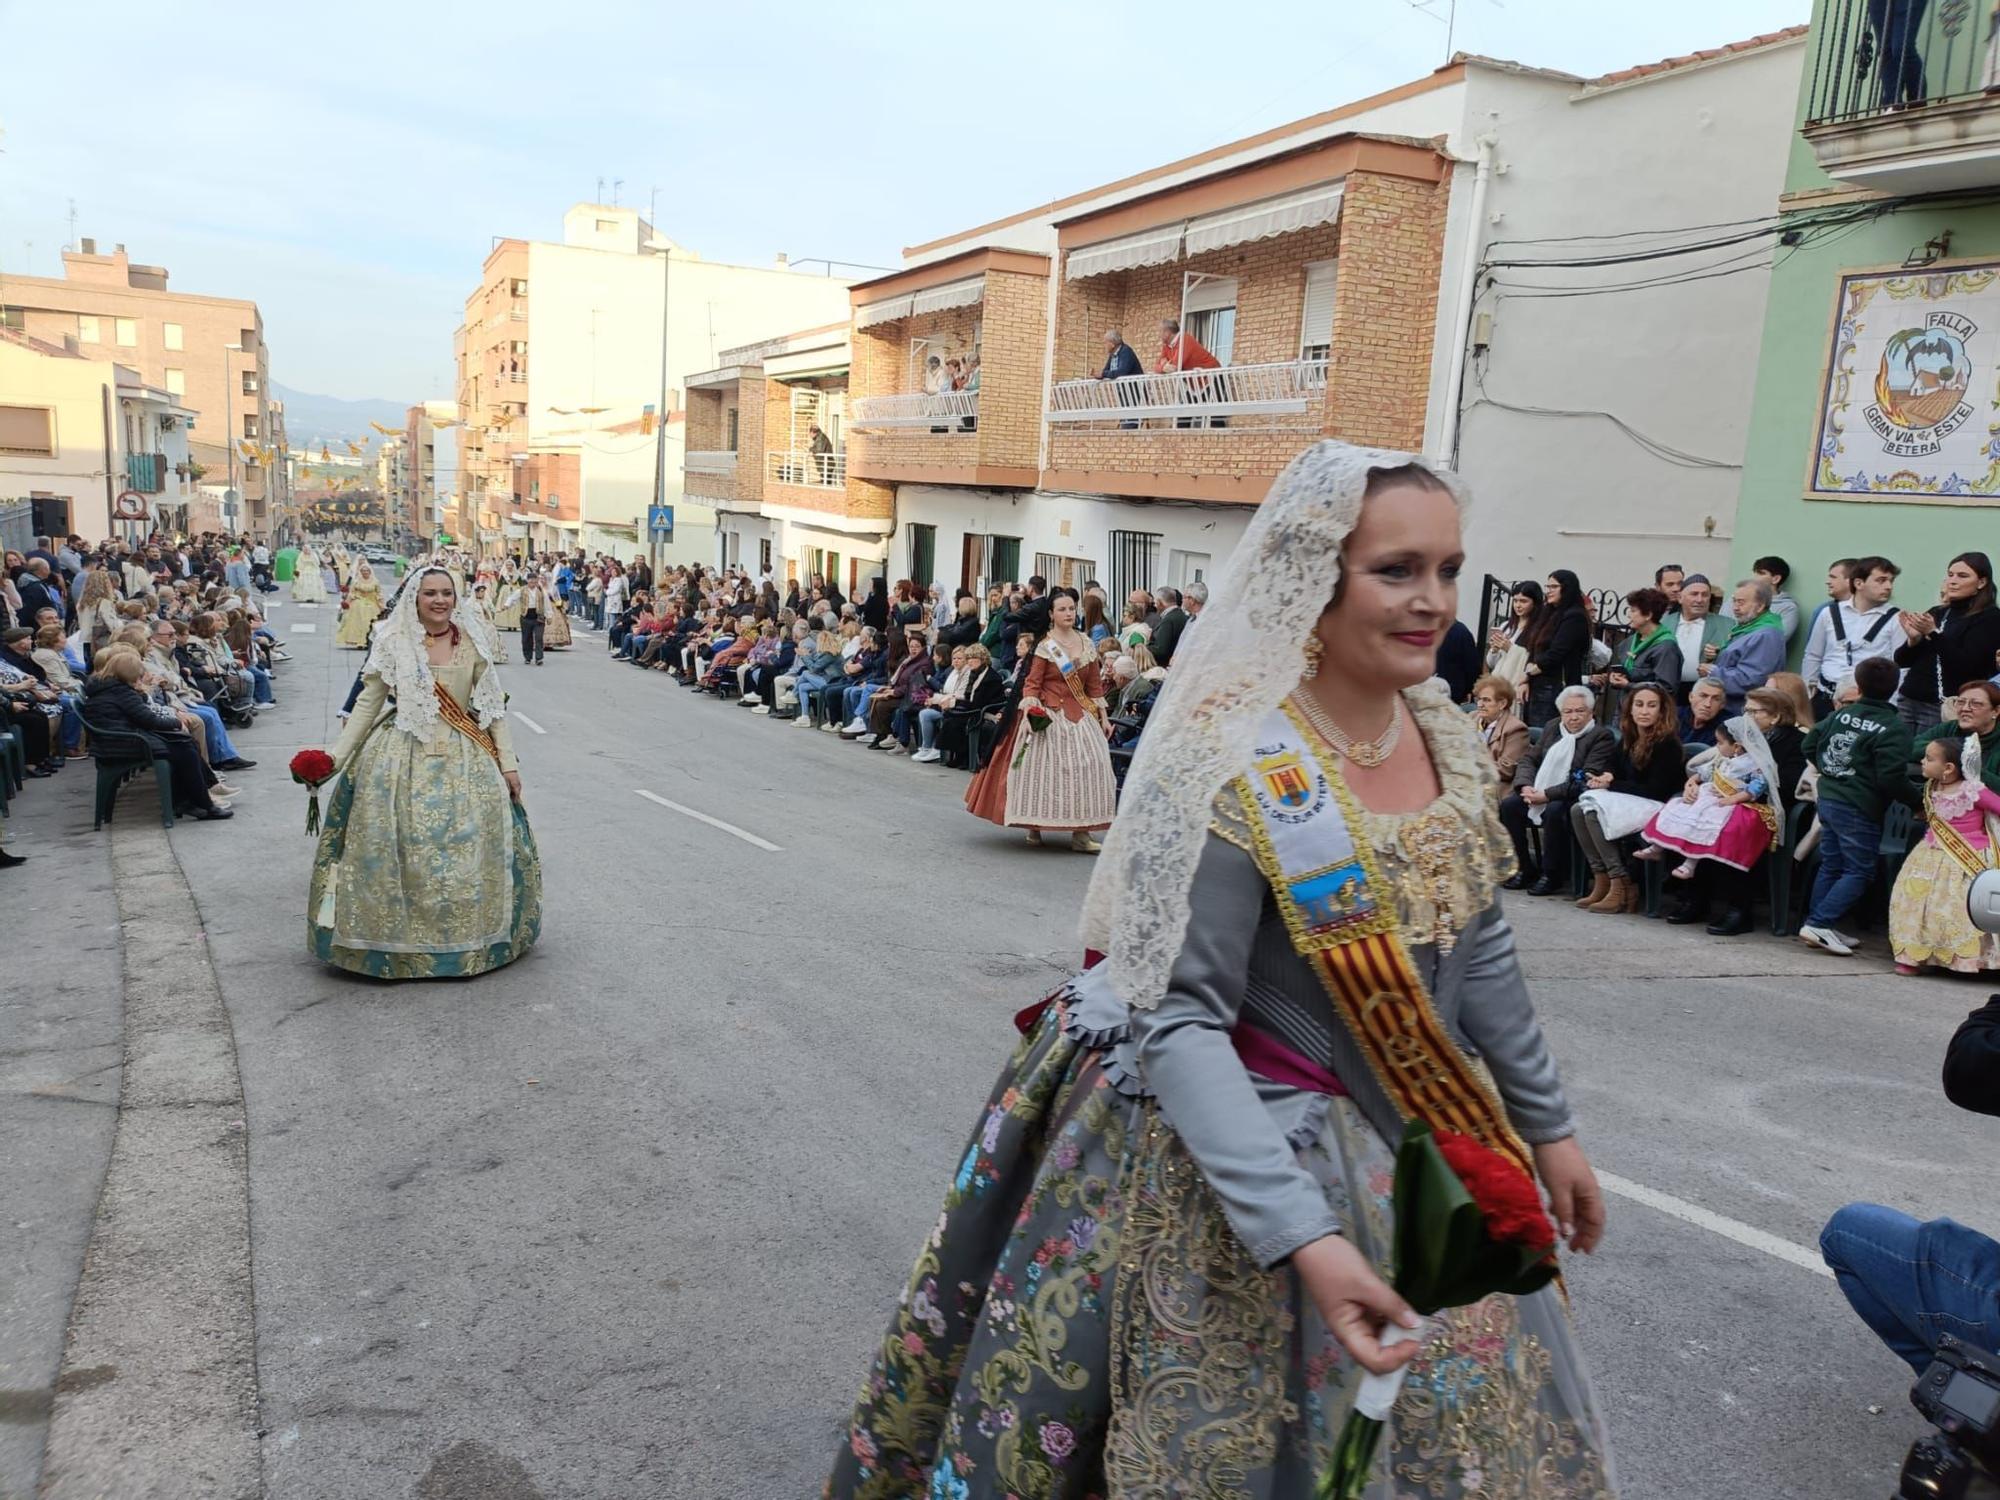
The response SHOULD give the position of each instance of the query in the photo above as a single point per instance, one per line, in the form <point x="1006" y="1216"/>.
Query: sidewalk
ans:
<point x="60" y="1051"/>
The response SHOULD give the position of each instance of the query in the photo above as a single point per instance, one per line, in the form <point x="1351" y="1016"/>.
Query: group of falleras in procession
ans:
<point x="510" y="598"/>
<point x="1167" y="1261"/>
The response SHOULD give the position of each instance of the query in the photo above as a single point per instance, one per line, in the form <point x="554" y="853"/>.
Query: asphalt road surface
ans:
<point x="626" y="1219"/>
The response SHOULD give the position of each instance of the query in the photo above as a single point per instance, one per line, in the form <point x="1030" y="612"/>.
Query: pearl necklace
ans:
<point x="1365" y="753"/>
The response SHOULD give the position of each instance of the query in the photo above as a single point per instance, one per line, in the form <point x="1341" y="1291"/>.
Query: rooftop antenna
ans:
<point x="617" y="184"/>
<point x="72" y="225"/>
<point x="600" y="191"/>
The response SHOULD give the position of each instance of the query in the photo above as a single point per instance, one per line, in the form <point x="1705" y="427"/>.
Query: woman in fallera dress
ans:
<point x="426" y="868"/>
<point x="1063" y="780"/>
<point x="1160" y="1268"/>
<point x="363" y="608"/>
<point x="308" y="583"/>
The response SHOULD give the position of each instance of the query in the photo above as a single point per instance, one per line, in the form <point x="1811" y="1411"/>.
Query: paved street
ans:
<point x="625" y="1219"/>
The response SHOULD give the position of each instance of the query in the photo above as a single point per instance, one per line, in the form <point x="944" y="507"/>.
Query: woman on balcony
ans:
<point x="1059" y="776"/>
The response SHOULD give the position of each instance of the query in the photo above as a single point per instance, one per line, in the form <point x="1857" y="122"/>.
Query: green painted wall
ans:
<point x="1771" y="513"/>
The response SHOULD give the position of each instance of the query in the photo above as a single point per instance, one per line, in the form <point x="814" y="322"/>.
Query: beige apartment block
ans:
<point x="206" y="352"/>
<point x="562" y="346"/>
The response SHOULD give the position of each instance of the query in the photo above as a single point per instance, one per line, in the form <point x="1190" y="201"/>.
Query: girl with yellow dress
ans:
<point x="362" y="608"/>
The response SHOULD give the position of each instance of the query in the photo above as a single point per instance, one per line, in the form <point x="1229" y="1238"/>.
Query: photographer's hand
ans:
<point x="1574" y="1196"/>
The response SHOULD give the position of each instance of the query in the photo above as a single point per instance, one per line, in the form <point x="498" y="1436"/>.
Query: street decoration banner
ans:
<point x="1910" y="399"/>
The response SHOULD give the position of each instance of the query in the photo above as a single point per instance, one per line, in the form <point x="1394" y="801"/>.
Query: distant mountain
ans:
<point x="313" y="421"/>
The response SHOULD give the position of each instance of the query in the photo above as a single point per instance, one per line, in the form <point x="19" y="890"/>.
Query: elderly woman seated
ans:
<point x="1505" y="735"/>
<point x="1547" y="781"/>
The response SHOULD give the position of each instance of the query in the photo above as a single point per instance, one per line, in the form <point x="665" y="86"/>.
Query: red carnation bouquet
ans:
<point x="1468" y="1223"/>
<point x="312" y="769"/>
<point x="1038" y="719"/>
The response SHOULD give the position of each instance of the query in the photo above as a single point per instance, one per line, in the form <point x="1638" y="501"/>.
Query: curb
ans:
<point x="157" y="1394"/>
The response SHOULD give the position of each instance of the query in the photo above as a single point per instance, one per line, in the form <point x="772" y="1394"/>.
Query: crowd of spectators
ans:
<point x="162" y="645"/>
<point x="1602" y="731"/>
<point x="911" y="669"/>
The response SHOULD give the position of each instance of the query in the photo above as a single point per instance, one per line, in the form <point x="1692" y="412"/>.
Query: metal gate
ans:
<point x="17" y="525"/>
<point x="1135" y="556"/>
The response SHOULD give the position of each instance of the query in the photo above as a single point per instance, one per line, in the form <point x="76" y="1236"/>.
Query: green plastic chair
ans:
<point x="121" y="755"/>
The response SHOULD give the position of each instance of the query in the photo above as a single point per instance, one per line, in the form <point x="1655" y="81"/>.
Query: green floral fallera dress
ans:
<point x="1083" y="1321"/>
<point x="426" y="867"/>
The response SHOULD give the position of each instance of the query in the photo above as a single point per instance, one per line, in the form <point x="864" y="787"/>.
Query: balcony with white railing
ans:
<point x="1219" y="434"/>
<point x="814" y="471"/>
<point x="948" y="411"/>
<point x="1187" y="400"/>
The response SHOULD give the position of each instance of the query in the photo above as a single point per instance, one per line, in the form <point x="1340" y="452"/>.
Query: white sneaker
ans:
<point x="1825" y="937"/>
<point x="857" y="725"/>
<point x="802" y="722"/>
<point x="1852" y="942"/>
<point x="830" y="727"/>
<point x="927" y="756"/>
<point x="747" y="698"/>
<point x="761" y="709"/>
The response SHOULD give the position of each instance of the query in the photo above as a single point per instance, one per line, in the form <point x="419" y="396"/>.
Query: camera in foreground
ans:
<point x="1959" y="1395"/>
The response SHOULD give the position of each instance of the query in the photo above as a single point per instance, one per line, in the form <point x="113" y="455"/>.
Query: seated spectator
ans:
<point x="980" y="696"/>
<point x="31" y="705"/>
<point x="1726" y="820"/>
<point x="945" y="696"/>
<point x="818" y="670"/>
<point x="1546" y="783"/>
<point x="760" y="684"/>
<point x="113" y="702"/>
<point x="186" y="699"/>
<point x="1646" y="768"/>
<point x="890" y="710"/>
<point x="862" y="672"/>
<point x="1755" y="647"/>
<point x="1701" y="715"/>
<point x="1505" y="735"/>
<point x="1793" y="687"/>
<point x="1978" y="713"/>
<point x="963" y="627"/>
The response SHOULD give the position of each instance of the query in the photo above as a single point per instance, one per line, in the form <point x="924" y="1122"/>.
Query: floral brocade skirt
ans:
<point x="1083" y="1324"/>
<point x="426" y="868"/>
<point x="555" y="629"/>
<point x="1928" y="925"/>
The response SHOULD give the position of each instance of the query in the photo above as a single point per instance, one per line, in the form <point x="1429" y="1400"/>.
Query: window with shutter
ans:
<point x="1316" y="330"/>
<point x="28" y="431"/>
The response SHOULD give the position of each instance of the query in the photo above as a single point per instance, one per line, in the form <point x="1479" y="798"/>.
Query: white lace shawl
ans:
<point x="1231" y="673"/>
<point x="398" y="657"/>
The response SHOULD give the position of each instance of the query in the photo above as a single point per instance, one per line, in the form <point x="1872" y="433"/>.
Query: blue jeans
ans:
<point x="260" y="679"/>
<point x="72" y="724"/>
<point x="1848" y="844"/>
<point x="219" y="748"/>
<point x="928" y="720"/>
<point x="807" y="686"/>
<point x="857" y="700"/>
<point x="1899" y="66"/>
<point x="1911" y="1281"/>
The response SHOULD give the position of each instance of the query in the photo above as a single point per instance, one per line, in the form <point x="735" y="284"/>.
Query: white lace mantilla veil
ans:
<point x="398" y="657"/>
<point x="1743" y="729"/>
<point x="1240" y="662"/>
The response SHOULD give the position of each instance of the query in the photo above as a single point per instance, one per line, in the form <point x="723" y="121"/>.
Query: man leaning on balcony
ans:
<point x="1119" y="362"/>
<point x="1183" y="351"/>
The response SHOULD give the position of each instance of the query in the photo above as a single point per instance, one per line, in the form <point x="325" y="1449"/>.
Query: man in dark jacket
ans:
<point x="1863" y="753"/>
<point x="1120" y="361"/>
<point x="1173" y="620"/>
<point x="1553" y="791"/>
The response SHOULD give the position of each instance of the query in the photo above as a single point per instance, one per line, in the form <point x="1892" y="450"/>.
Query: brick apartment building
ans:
<point x="1339" y="268"/>
<point x="208" y="353"/>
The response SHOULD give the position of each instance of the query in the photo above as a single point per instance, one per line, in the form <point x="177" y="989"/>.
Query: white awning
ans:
<point x="888" y="311"/>
<point x="1155" y="247"/>
<point x="952" y="294"/>
<point x="1260" y="221"/>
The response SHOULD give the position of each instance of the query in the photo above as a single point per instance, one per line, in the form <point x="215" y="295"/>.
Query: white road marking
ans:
<point x="1729" y="1229"/>
<point x="517" y="714"/>
<point x="702" y="817"/>
<point x="304" y="629"/>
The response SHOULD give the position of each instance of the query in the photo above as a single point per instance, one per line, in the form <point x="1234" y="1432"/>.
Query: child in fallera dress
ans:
<point x="1928" y="924"/>
<point x="1726" y="811"/>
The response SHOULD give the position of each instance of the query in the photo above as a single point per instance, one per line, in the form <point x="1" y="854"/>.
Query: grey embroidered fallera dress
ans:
<point x="1102" y="1308"/>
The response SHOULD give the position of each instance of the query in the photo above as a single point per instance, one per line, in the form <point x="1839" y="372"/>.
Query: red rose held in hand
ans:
<point x="1506" y="1195"/>
<point x="311" y="767"/>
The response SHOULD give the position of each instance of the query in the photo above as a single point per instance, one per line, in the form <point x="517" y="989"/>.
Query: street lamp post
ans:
<point x="666" y="249"/>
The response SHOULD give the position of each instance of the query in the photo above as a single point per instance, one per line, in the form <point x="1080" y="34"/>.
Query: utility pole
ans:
<point x="660" y="413"/>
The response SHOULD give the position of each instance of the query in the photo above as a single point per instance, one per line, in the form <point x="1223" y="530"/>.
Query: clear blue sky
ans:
<point x="348" y="166"/>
